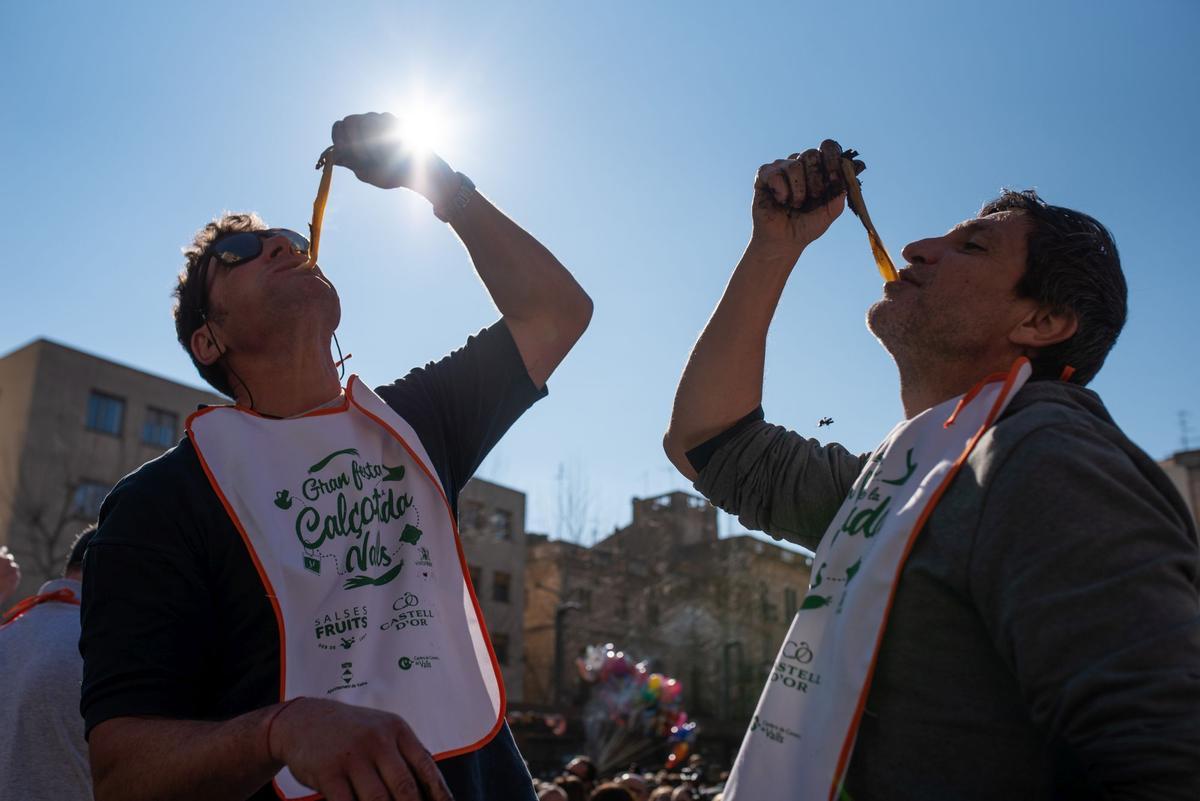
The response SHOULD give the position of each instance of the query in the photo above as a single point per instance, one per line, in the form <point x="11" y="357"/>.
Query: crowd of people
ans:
<point x="581" y="781"/>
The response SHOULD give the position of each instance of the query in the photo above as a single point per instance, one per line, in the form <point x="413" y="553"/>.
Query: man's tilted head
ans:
<point x="243" y="290"/>
<point x="191" y="299"/>
<point x="1021" y="278"/>
<point x="1071" y="264"/>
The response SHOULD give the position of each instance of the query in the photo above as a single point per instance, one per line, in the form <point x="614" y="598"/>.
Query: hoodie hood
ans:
<point x="1047" y="402"/>
<point x="1080" y="400"/>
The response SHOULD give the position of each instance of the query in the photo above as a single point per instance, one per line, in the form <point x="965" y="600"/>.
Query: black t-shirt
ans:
<point x="176" y="622"/>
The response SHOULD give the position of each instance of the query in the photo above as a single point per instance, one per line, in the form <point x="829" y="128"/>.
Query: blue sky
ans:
<point x="625" y="136"/>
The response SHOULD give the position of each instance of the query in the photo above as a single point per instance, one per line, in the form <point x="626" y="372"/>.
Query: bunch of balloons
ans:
<point x="632" y="709"/>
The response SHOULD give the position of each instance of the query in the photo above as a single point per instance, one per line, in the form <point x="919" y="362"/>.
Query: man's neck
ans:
<point x="924" y="383"/>
<point x="287" y="383"/>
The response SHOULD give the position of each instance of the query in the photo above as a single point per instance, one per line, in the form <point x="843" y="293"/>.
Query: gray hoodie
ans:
<point x="1044" y="642"/>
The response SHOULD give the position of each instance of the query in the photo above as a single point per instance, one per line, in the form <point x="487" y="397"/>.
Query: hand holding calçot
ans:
<point x="348" y="752"/>
<point x="796" y="199"/>
<point x="372" y="146"/>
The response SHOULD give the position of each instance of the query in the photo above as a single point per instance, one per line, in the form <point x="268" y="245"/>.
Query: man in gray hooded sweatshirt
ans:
<point x="1044" y="636"/>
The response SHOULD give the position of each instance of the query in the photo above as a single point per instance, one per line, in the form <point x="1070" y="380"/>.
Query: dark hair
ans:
<point x="75" y="559"/>
<point x="589" y="767"/>
<point x="191" y="295"/>
<point x="1072" y="265"/>
<point x="573" y="786"/>
<point x="611" y="792"/>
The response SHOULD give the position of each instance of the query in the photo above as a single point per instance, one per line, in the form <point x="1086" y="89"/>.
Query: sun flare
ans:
<point x="423" y="129"/>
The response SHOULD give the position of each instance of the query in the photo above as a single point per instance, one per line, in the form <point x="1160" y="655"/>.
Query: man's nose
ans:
<point x="923" y="251"/>
<point x="276" y="243"/>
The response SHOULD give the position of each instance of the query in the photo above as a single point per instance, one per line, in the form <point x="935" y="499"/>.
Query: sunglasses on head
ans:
<point x="246" y="246"/>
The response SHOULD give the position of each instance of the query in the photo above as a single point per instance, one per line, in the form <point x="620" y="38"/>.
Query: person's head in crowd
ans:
<point x="635" y="784"/>
<point x="574" y="787"/>
<point x="684" y="792"/>
<point x="10" y="575"/>
<point x="611" y="791"/>
<point x="584" y="768"/>
<point x="662" y="793"/>
<point x="551" y="792"/>
<point x="73" y="569"/>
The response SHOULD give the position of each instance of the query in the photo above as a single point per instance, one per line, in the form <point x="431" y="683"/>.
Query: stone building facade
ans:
<point x="71" y="425"/>
<point x="1183" y="469"/>
<point x="710" y="612"/>
<point x="491" y="523"/>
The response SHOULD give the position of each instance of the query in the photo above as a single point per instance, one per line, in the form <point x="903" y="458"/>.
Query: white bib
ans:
<point x="354" y="541"/>
<point x="803" y="730"/>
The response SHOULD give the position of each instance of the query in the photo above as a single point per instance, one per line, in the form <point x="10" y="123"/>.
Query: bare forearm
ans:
<point x="545" y="308"/>
<point x="524" y="278"/>
<point x="154" y="759"/>
<point x="722" y="381"/>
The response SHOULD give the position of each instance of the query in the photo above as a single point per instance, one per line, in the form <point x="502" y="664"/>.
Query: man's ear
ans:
<point x="204" y="346"/>
<point x="1044" y="327"/>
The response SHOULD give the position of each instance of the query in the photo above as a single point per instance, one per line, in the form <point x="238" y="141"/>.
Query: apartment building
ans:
<point x="71" y="425"/>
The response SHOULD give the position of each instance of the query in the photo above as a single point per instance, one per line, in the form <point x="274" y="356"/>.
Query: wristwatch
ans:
<point x="461" y="199"/>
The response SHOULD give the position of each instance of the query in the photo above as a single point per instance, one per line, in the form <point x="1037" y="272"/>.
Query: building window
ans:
<point x="790" y="602"/>
<point x="476" y="576"/>
<point x="500" y="646"/>
<point x="86" y="500"/>
<point x="652" y="612"/>
<point x="500" y="586"/>
<point x="160" y="427"/>
<point x="500" y="523"/>
<point x="583" y="597"/>
<point x="105" y="413"/>
<point x="769" y="610"/>
<point x="622" y="606"/>
<point x="470" y="516"/>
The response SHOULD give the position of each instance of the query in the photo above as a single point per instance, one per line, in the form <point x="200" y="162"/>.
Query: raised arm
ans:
<point x="545" y="309"/>
<point x="722" y="381"/>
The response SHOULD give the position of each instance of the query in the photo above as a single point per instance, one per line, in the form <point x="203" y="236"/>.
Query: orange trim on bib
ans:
<point x="237" y="523"/>
<point x="1009" y="379"/>
<point x="262" y="574"/>
<point x="462" y="563"/>
<point x="63" y="596"/>
<point x="341" y="407"/>
<point x="975" y="390"/>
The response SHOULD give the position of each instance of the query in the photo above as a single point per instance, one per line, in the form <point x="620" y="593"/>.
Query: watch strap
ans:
<point x="459" y="201"/>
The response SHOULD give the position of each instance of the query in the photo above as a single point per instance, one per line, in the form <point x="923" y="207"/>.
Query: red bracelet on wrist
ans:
<point x="275" y="715"/>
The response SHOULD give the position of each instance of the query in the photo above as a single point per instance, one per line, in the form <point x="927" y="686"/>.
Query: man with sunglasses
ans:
<point x="272" y="556"/>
